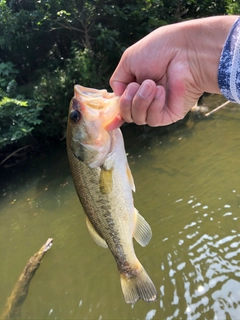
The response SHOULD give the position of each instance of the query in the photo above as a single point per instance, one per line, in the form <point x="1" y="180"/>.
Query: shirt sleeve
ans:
<point x="229" y="66"/>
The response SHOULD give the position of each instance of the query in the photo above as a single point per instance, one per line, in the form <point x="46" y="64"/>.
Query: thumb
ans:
<point x="118" y="87"/>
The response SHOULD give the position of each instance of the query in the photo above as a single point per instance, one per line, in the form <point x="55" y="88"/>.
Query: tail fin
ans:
<point x="138" y="286"/>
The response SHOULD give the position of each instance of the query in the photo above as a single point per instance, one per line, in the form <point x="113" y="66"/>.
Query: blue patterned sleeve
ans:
<point x="229" y="66"/>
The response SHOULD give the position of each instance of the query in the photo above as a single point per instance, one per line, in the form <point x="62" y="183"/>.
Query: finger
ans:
<point x="142" y="101"/>
<point x="126" y="101"/>
<point x="156" y="113"/>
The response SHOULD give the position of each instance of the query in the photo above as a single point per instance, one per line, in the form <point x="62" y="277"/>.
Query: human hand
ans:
<point x="161" y="77"/>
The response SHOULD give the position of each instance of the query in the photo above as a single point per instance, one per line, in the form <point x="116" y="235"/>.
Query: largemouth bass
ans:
<point x="104" y="185"/>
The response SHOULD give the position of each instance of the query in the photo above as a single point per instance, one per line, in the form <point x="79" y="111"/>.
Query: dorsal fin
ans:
<point x="142" y="232"/>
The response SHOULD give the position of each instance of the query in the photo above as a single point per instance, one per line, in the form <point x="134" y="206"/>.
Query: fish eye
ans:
<point x="75" y="116"/>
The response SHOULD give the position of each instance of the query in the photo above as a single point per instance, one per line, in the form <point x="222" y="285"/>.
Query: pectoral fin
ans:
<point x="95" y="236"/>
<point x="142" y="232"/>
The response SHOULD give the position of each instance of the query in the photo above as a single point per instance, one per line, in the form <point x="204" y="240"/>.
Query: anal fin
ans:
<point x="95" y="236"/>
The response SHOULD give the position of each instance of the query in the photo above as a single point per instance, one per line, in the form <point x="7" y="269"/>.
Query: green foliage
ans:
<point x="7" y="72"/>
<point x="17" y="120"/>
<point x="17" y="115"/>
<point x="233" y="7"/>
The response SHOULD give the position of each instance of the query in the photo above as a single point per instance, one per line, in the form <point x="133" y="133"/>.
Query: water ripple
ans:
<point x="203" y="268"/>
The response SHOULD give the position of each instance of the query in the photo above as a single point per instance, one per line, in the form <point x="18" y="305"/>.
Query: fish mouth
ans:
<point x="98" y="102"/>
<point x="96" y="99"/>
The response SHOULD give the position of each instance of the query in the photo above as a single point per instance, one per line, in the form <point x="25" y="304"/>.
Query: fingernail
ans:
<point x="128" y="94"/>
<point x="131" y="90"/>
<point x="158" y="92"/>
<point x="145" y="90"/>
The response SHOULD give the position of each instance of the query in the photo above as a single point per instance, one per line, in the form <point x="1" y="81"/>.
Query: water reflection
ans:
<point x="204" y="283"/>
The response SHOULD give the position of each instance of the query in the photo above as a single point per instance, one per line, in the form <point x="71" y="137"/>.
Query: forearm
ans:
<point x="206" y="38"/>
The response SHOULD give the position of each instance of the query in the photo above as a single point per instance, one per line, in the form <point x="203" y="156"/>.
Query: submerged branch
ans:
<point x="20" y="291"/>
<point x="14" y="153"/>
<point x="216" y="109"/>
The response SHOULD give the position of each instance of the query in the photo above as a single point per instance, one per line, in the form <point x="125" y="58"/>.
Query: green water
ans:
<point x="188" y="189"/>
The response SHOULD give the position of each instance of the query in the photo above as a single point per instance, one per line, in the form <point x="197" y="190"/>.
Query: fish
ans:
<point x="105" y="185"/>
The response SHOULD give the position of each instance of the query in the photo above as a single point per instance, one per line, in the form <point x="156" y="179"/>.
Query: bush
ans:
<point x="18" y="116"/>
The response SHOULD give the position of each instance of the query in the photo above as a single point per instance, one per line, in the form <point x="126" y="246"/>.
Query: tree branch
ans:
<point x="20" y="291"/>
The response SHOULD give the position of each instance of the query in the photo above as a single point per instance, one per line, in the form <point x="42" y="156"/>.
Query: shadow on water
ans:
<point x="188" y="189"/>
